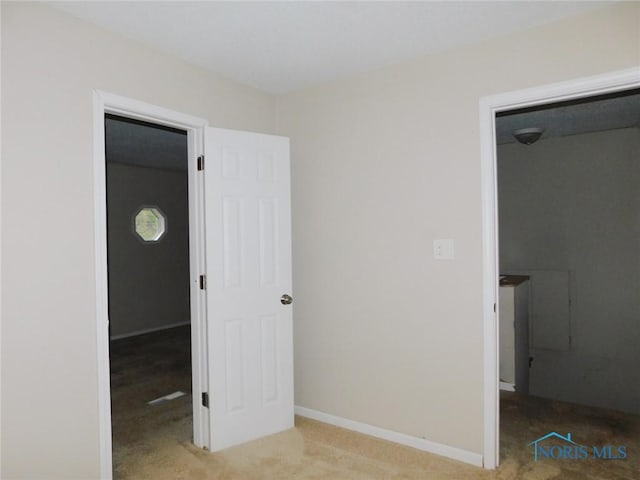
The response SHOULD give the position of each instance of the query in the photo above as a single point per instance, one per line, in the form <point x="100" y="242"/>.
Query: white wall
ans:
<point x="573" y="204"/>
<point x="383" y="163"/>
<point x="50" y="64"/>
<point x="148" y="282"/>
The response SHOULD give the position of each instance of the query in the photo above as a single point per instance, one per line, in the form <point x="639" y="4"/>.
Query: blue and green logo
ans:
<point x="559" y="447"/>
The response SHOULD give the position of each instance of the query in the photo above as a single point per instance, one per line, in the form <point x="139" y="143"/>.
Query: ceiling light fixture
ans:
<point x="527" y="136"/>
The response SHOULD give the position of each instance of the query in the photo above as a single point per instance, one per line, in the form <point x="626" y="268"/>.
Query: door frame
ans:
<point x="489" y="107"/>
<point x="103" y="103"/>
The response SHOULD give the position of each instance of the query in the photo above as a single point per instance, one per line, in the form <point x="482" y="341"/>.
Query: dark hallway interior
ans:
<point x="144" y="368"/>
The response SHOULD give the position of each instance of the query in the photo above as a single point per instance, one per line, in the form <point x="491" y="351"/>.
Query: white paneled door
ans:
<point x="248" y="263"/>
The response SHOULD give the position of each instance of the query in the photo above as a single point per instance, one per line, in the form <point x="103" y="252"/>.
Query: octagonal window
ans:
<point x="150" y="224"/>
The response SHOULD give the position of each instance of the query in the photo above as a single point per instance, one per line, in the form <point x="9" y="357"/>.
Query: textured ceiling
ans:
<point x="135" y="143"/>
<point x="591" y="115"/>
<point x="280" y="47"/>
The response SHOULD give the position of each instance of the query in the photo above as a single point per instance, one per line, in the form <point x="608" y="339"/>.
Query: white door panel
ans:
<point x="248" y="250"/>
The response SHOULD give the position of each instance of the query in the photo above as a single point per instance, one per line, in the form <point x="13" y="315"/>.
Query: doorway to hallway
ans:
<point x="148" y="284"/>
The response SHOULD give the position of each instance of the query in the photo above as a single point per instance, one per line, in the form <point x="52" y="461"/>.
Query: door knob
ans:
<point x="286" y="299"/>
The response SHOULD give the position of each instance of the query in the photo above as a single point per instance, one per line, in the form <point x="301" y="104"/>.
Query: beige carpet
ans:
<point x="154" y="442"/>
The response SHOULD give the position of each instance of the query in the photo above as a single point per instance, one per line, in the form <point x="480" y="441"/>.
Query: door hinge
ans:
<point x="200" y="163"/>
<point x="205" y="399"/>
<point x="494" y="308"/>
<point x="203" y="282"/>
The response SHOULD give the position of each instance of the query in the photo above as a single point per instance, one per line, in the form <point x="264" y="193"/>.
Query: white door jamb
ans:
<point x="489" y="106"/>
<point x="109" y="103"/>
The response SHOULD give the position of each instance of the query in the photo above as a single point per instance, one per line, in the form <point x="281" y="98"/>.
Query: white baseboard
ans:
<point x="149" y="330"/>
<point x="401" y="438"/>
<point x="509" y="387"/>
